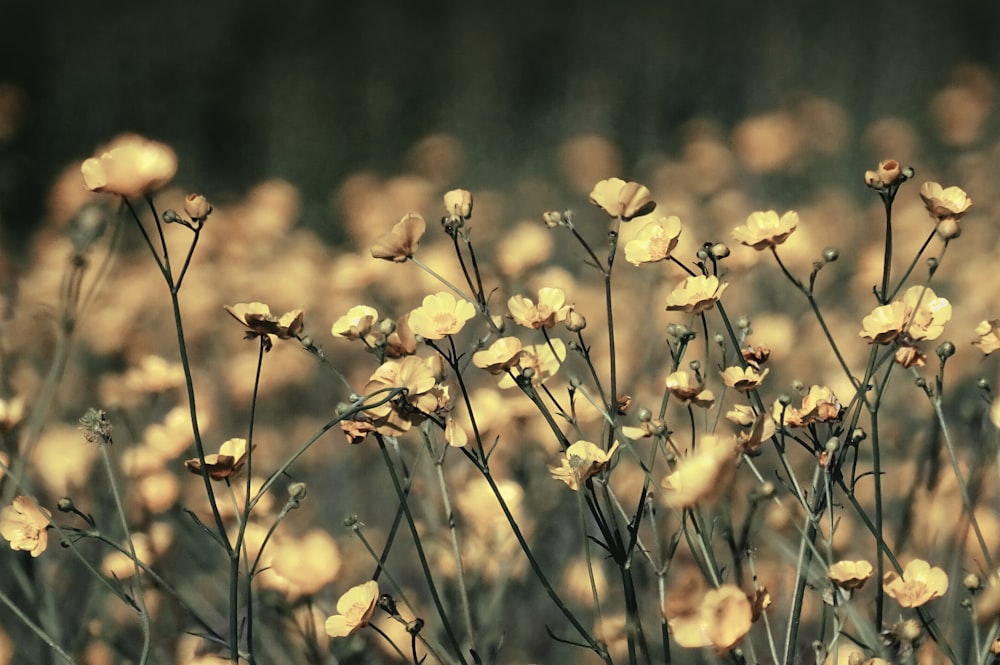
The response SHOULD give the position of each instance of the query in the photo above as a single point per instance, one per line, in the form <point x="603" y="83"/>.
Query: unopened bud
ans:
<point x="458" y="202"/>
<point x="948" y="228"/>
<point x="197" y="207"/>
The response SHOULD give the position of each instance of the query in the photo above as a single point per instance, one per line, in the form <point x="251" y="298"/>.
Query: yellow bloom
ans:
<point x="543" y="360"/>
<point x="582" y="460"/>
<point x="11" y="414"/>
<point x="226" y="463"/>
<point x="696" y="294"/>
<point x="743" y="379"/>
<point x="884" y="323"/>
<point x="850" y="575"/>
<point x="919" y="584"/>
<point x="24" y="525"/>
<point x="887" y="173"/>
<point x="989" y="336"/>
<point x="741" y="414"/>
<point x="441" y="315"/>
<point x="458" y="203"/>
<point x="702" y="475"/>
<point x="819" y="405"/>
<point x="130" y="166"/>
<point x="945" y="203"/>
<point x="722" y="619"/>
<point x="454" y="434"/>
<point x="356" y="324"/>
<point x="921" y="314"/>
<point x="550" y="310"/>
<point x="654" y="242"/>
<point x="684" y="385"/>
<point x="301" y="566"/>
<point x="259" y="321"/>
<point x="354" y="610"/>
<point x="420" y="377"/>
<point x="401" y="243"/>
<point x="624" y="200"/>
<point x="766" y="229"/>
<point x="501" y="355"/>
<point x="750" y="442"/>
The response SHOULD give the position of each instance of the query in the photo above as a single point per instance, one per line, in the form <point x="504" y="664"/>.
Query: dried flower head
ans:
<point x="945" y="202"/>
<point x="354" y="610"/>
<point x="23" y="524"/>
<point x="696" y="294"/>
<point x="623" y="200"/>
<point x="130" y="166"/>
<point x="226" y="463"/>
<point x="764" y="230"/>
<point x="402" y="241"/>
<point x="919" y="584"/>
<point x="441" y="315"/>
<point x="654" y="242"/>
<point x="581" y="461"/>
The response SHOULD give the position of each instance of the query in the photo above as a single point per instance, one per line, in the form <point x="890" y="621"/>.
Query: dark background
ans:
<point x="313" y="91"/>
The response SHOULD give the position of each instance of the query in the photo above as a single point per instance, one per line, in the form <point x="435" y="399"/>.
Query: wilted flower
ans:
<point x="702" y="475"/>
<point x="401" y="243"/>
<point x="226" y="463"/>
<point x="502" y="355"/>
<point x="23" y="525"/>
<point x="685" y="386"/>
<point x="582" y="460"/>
<point x="441" y="315"/>
<point x="357" y="429"/>
<point x="261" y="323"/>
<point x="919" y="584"/>
<point x="945" y="203"/>
<point x="696" y="294"/>
<point x="130" y="166"/>
<point x="356" y="324"/>
<point x="550" y="310"/>
<point x="989" y="336"/>
<point x="354" y="610"/>
<point x="654" y="242"/>
<point x="721" y="620"/>
<point x="458" y="203"/>
<point x="543" y="360"/>
<point x="743" y="378"/>
<point x="755" y="356"/>
<point x="850" y="575"/>
<point x="623" y="200"/>
<point x="766" y="229"/>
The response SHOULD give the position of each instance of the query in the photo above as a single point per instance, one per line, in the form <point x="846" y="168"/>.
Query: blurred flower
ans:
<point x="261" y="323"/>
<point x="850" y="575"/>
<point x="988" y="342"/>
<point x="441" y="315"/>
<point x="550" y="310"/>
<point x="624" y="200"/>
<point x="741" y="414"/>
<point x="654" y="242"/>
<point x="197" y="207"/>
<point x="501" y="355"/>
<point x="454" y="433"/>
<point x="582" y="460"/>
<point x="23" y="524"/>
<point x="696" y="294"/>
<point x="522" y="248"/>
<point x="302" y="566"/>
<point x="944" y="203"/>
<point x="420" y="378"/>
<point x="762" y="429"/>
<point x="356" y="324"/>
<point x="919" y="584"/>
<point x="11" y="413"/>
<point x="766" y="229"/>
<point x="226" y="463"/>
<point x="130" y="166"/>
<point x="819" y="405"/>
<point x="458" y="203"/>
<point x="646" y="429"/>
<point x="154" y="374"/>
<point x="543" y="360"/>
<point x="743" y="379"/>
<point x="357" y="429"/>
<point x="401" y="243"/>
<point x="722" y="619"/>
<point x="354" y="610"/>
<point x="702" y="475"/>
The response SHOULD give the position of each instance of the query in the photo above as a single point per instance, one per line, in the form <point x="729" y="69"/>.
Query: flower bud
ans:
<point x="888" y="171"/>
<point x="197" y="207"/>
<point x="720" y="250"/>
<point x="458" y="202"/>
<point x="297" y="491"/>
<point x="552" y="219"/>
<point x="945" y="350"/>
<point x="66" y="505"/>
<point x="972" y="582"/>
<point x="170" y="216"/>
<point x="831" y="254"/>
<point x="575" y="321"/>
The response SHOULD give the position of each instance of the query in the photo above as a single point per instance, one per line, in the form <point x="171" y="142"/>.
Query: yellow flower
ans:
<point x="945" y="203"/>
<point x="356" y="324"/>
<point x="259" y="321"/>
<point x="454" y="433"/>
<point x="696" y="294"/>
<point x="11" y="413"/>
<point x="502" y="355"/>
<point x="550" y="310"/>
<point x="750" y="442"/>
<point x="543" y="360"/>
<point x="420" y="377"/>
<point x="441" y="315"/>
<point x="624" y="200"/>
<point x="354" y="610"/>
<point x="458" y="203"/>
<point x="582" y="460"/>
<point x="989" y="336"/>
<point x="919" y="584"/>
<point x="819" y="405"/>
<point x="888" y="172"/>
<point x="130" y="166"/>
<point x="743" y="379"/>
<point x="850" y="575"/>
<point x="741" y="414"/>
<point x="684" y="385"/>
<point x="226" y="463"/>
<point x="722" y="619"/>
<point x="702" y="475"/>
<point x="24" y="525"/>
<point x="654" y="242"/>
<point x="766" y="229"/>
<point x="921" y="314"/>
<point x="401" y="243"/>
<point x="884" y="323"/>
<point x="301" y="566"/>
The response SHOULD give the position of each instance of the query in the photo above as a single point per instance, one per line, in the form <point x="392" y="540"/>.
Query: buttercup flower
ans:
<point x="582" y="460"/>
<point x="850" y="575"/>
<point x="550" y="310"/>
<point x="420" y="377"/>
<point x="762" y="429"/>
<point x="356" y="324"/>
<point x="945" y="203"/>
<point x="441" y="315"/>
<point x="722" y="619"/>
<point x="819" y="405"/>
<point x="888" y="172"/>
<point x="354" y="610"/>
<point x="458" y="203"/>
<point x="646" y="429"/>
<point x="921" y="314"/>
<point x="766" y="229"/>
<point x="696" y="294"/>
<point x="684" y="385"/>
<point x="23" y="525"/>
<point x="654" y="242"/>
<point x="702" y="475"/>
<point x="743" y="379"/>
<point x="624" y="200"/>
<point x="543" y="360"/>
<point x="401" y="243"/>
<point x="454" y="434"/>
<point x="261" y="323"/>
<point x="919" y="584"/>
<point x="884" y="323"/>
<point x="130" y="166"/>
<point x="989" y="336"/>
<point x="502" y="354"/>
<point x="401" y="341"/>
<point x="226" y="463"/>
